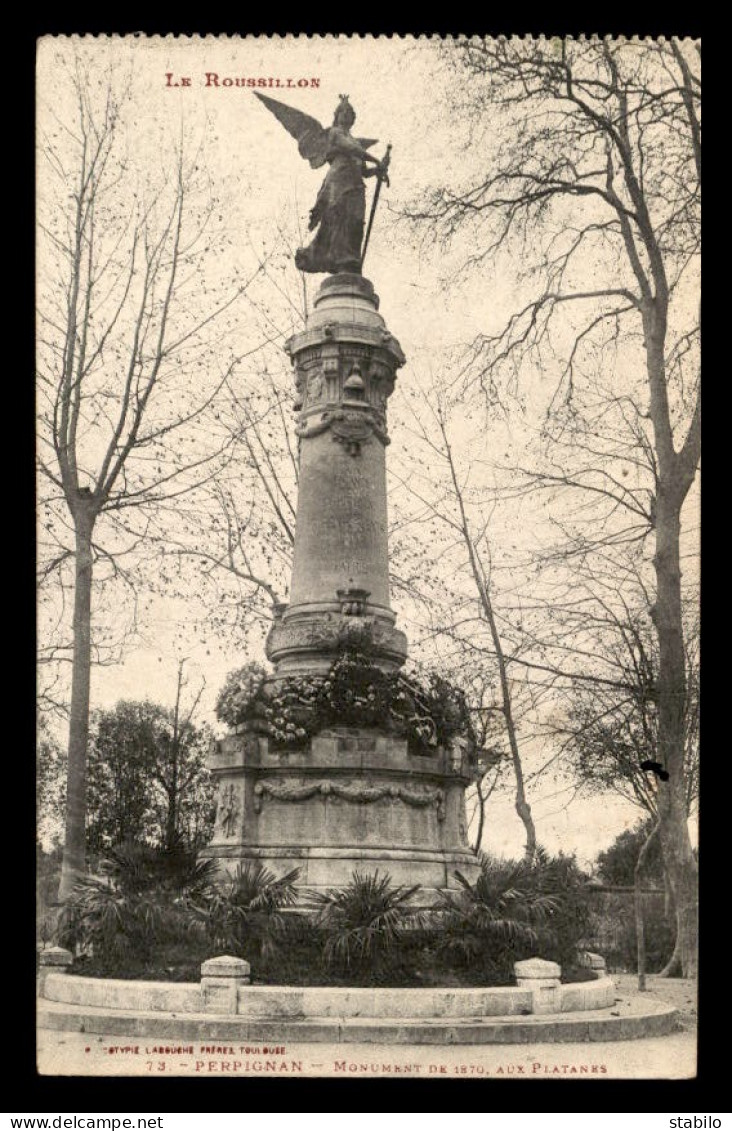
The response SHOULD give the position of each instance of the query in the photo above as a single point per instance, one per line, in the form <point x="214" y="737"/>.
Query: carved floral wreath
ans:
<point x="429" y="712"/>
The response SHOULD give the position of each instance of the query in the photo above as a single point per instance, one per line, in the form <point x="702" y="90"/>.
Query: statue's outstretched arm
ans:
<point x="339" y="139"/>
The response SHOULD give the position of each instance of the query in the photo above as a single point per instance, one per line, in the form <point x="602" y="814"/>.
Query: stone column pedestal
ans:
<point x="351" y="798"/>
<point x="591" y="961"/>
<point x="345" y="365"/>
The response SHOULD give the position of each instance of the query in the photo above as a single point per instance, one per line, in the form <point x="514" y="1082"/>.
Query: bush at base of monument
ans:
<point x="514" y="910"/>
<point x="364" y="923"/>
<point x="138" y="906"/>
<point x="157" y="913"/>
<point x="428" y="712"/>
<point x="237" y="697"/>
<point x="242" y="914"/>
<point x="144" y="919"/>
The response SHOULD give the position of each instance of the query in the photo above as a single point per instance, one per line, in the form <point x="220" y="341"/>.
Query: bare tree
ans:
<point x="446" y="501"/>
<point x="592" y="182"/>
<point x="492" y="762"/>
<point x="242" y="569"/>
<point x="173" y="776"/>
<point x="125" y="321"/>
<point x="610" y="734"/>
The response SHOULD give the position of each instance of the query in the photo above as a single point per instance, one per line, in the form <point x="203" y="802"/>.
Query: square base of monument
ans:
<point x="322" y="869"/>
<point x="351" y="800"/>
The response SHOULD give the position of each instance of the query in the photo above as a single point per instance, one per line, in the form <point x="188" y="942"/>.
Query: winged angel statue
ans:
<point x="340" y="209"/>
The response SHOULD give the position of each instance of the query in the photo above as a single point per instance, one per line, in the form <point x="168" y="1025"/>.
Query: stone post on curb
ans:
<point x="543" y="979"/>
<point x="591" y="961"/>
<point x="53" y="960"/>
<point x="220" y="981"/>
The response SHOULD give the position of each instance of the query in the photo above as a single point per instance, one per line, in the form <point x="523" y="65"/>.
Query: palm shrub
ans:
<point x="488" y="925"/>
<point x="513" y="910"/>
<point x="363" y="924"/>
<point x="570" y="921"/>
<point x="243" y="914"/>
<point x="140" y="902"/>
<point x="173" y="871"/>
<point x="48" y="875"/>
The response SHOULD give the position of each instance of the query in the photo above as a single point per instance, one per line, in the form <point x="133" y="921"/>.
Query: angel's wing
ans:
<point x="311" y="138"/>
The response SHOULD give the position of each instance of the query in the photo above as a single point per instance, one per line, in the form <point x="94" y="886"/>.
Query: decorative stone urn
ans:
<point x="351" y="797"/>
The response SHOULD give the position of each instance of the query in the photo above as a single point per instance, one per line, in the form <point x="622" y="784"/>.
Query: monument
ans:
<point x="339" y="762"/>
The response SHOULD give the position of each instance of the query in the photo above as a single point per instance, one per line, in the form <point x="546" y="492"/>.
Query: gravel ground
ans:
<point x="678" y="992"/>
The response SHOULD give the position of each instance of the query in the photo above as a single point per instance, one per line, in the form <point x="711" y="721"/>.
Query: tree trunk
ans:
<point x="668" y="900"/>
<point x="171" y="819"/>
<point x="673" y="966"/>
<point x="74" y="858"/>
<point x="171" y="822"/>
<point x="522" y="806"/>
<point x="640" y="936"/>
<point x="672" y="806"/>
<point x="672" y="969"/>
<point x="481" y="817"/>
<point x="638" y="901"/>
<point x="524" y="811"/>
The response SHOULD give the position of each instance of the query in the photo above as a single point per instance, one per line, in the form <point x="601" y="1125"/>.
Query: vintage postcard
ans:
<point x="368" y="439"/>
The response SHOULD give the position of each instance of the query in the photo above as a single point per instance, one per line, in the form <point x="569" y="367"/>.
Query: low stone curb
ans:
<point x="656" y="1020"/>
<point x="225" y="989"/>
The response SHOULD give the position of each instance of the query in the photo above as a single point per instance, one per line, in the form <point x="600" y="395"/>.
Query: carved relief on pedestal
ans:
<point x="228" y="809"/>
<point x="458" y="753"/>
<point x="354" y="428"/>
<point x="354" y="389"/>
<point x="318" y="631"/>
<point x="463" y="825"/>
<point x="356" y="632"/>
<point x="353" y="601"/>
<point x="355" y="792"/>
<point x="351" y="427"/>
<point x="300" y="384"/>
<point x="329" y="631"/>
<point x="343" y="372"/>
<point x="378" y="396"/>
<point x="314" y="389"/>
<point x="330" y="361"/>
<point x="381" y="385"/>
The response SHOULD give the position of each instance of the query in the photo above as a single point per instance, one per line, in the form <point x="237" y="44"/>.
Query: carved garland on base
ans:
<point x="351" y="428"/>
<point x="358" y="794"/>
